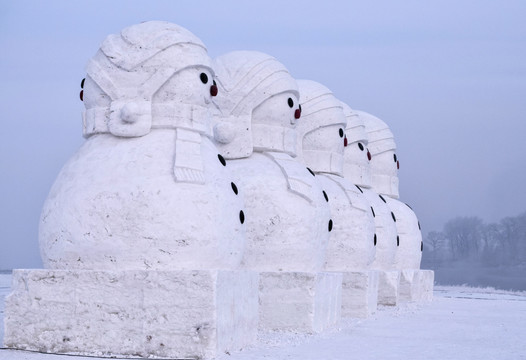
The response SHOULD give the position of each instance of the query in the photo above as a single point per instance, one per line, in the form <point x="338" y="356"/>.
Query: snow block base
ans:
<point x="163" y="314"/>
<point x="416" y="285"/>
<point x="425" y="280"/>
<point x="359" y="293"/>
<point x="409" y="289"/>
<point x="388" y="283"/>
<point x="299" y="301"/>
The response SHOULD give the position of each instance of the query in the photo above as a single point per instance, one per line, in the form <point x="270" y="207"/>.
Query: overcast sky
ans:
<point x="449" y="77"/>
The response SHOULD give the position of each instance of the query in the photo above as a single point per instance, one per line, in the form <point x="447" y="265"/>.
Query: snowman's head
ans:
<point x="356" y="166"/>
<point x="258" y="100"/>
<point x="146" y="71"/>
<point x="321" y="130"/>
<point x="384" y="162"/>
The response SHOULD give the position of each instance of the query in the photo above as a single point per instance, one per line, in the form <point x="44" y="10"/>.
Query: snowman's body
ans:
<point x="147" y="189"/>
<point x="385" y="231"/>
<point x="409" y="253"/>
<point x="286" y="222"/>
<point x="117" y="205"/>
<point x="287" y="217"/>
<point x="351" y="244"/>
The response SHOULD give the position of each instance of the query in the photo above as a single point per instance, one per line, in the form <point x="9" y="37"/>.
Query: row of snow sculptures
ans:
<point x="209" y="200"/>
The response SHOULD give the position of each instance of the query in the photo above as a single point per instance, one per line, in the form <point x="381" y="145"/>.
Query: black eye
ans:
<point x="214" y="82"/>
<point x="360" y="146"/>
<point x="341" y="132"/>
<point x="394" y="157"/>
<point x="291" y="103"/>
<point x="204" y="78"/>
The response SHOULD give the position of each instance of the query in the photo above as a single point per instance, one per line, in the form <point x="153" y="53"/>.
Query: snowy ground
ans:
<point x="460" y="323"/>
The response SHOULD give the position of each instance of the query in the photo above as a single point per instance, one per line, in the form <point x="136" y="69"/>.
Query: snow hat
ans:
<point x="245" y="80"/>
<point x="356" y="166"/>
<point x="384" y="162"/>
<point x="127" y="71"/>
<point x="321" y="128"/>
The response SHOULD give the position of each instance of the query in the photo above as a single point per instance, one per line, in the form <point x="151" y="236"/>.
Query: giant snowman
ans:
<point x="148" y="189"/>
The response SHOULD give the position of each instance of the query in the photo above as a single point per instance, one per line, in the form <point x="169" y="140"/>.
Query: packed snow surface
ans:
<point x="460" y="323"/>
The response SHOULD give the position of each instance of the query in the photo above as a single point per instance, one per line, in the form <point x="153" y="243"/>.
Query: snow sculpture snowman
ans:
<point x="357" y="169"/>
<point x="288" y="219"/>
<point x="384" y="169"/>
<point x="148" y="189"/>
<point x="322" y="140"/>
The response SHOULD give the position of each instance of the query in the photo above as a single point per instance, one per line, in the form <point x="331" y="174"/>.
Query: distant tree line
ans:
<point x="469" y="239"/>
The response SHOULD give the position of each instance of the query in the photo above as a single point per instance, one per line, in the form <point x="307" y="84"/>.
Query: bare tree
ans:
<point x="491" y="239"/>
<point x="435" y="241"/>
<point x="513" y="239"/>
<point x="467" y="247"/>
<point x="463" y="234"/>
